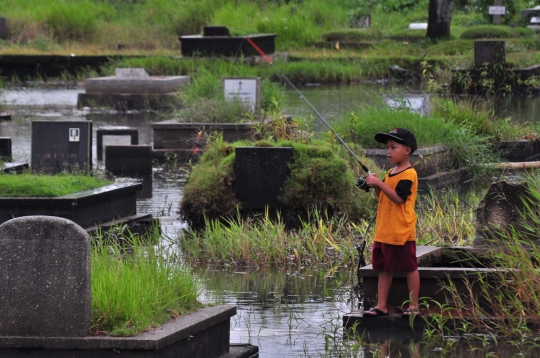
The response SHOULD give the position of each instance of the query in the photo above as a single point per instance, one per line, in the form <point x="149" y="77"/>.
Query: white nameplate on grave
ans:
<point x="497" y="10"/>
<point x="242" y="89"/>
<point x="414" y="104"/>
<point x="74" y="135"/>
<point x="418" y="26"/>
<point x="535" y="20"/>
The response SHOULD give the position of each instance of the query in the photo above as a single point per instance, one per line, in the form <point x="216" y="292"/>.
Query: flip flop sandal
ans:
<point x="374" y="312"/>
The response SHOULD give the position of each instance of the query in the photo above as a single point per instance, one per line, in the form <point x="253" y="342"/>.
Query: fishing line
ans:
<point x="282" y="75"/>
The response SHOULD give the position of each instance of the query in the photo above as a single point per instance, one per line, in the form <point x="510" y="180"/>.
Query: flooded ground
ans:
<point x="293" y="312"/>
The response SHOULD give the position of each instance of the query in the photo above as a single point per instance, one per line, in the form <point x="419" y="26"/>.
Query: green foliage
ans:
<point x="179" y="16"/>
<point x="77" y="20"/>
<point x="137" y="286"/>
<point x="494" y="31"/>
<point x="469" y="149"/>
<point x="47" y="186"/>
<point x="481" y="6"/>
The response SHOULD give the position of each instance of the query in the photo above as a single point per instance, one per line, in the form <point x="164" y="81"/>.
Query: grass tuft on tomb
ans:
<point x="495" y="32"/>
<point x="138" y="286"/>
<point x="32" y="185"/>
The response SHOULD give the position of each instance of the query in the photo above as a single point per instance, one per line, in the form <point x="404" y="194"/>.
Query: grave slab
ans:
<point x="61" y="145"/>
<point x="45" y="278"/>
<point x="117" y="135"/>
<point x="129" y="160"/>
<point x="260" y="173"/>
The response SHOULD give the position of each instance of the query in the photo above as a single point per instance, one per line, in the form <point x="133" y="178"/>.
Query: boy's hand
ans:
<point x="372" y="180"/>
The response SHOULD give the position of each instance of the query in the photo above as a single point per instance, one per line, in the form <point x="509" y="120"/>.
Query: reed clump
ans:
<point x="136" y="285"/>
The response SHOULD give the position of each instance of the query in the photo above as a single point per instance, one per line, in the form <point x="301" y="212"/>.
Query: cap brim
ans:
<point x="383" y="138"/>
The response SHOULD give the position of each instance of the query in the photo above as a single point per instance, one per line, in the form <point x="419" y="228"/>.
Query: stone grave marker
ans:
<point x="61" y="145"/>
<point x="4" y="30"/>
<point x="246" y="90"/>
<point x="492" y="52"/>
<point x="115" y="136"/>
<point x="497" y="11"/>
<point x="417" y="103"/>
<point x="260" y="173"/>
<point x="418" y="26"/>
<point x="44" y="278"/>
<point x="129" y="160"/>
<point x="5" y="149"/>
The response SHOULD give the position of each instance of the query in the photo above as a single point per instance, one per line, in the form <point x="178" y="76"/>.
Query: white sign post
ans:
<point x="497" y="11"/>
<point x="246" y="90"/>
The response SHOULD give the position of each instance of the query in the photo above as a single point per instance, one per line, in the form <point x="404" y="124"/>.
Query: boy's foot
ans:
<point x="374" y="312"/>
<point x="411" y="312"/>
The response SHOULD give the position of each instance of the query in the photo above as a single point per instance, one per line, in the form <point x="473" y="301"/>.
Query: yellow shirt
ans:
<point x="396" y="223"/>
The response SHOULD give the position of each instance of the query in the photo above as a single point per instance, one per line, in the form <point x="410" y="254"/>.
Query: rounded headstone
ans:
<point x="44" y="278"/>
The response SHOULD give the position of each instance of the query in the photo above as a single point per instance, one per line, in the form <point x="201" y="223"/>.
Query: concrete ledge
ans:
<point x="151" y="85"/>
<point x="186" y="330"/>
<point x="128" y="101"/>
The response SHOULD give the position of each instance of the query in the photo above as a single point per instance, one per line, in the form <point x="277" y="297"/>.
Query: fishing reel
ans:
<point x="362" y="184"/>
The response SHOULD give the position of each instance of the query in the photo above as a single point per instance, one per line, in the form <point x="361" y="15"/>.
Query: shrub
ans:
<point x="494" y="31"/>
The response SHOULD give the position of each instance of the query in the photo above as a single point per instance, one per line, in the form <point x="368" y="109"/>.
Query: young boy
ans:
<point x="394" y="247"/>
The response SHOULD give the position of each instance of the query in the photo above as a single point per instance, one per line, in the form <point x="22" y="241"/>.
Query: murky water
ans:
<point x="293" y="312"/>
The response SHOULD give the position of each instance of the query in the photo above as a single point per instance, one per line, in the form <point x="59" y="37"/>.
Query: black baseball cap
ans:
<point x="400" y="135"/>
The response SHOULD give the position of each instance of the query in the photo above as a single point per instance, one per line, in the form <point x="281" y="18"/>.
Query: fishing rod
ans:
<point x="360" y="182"/>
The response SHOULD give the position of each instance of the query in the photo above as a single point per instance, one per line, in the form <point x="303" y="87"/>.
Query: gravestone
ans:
<point x="109" y="136"/>
<point x="497" y="11"/>
<point x="529" y="13"/>
<point x="129" y="160"/>
<point x="499" y="213"/>
<point x="361" y="22"/>
<point x="246" y="90"/>
<point x="61" y="146"/>
<point x="5" y="149"/>
<point x="417" y="103"/>
<point x="418" y="26"/>
<point x="44" y="278"/>
<point x="4" y="30"/>
<point x="492" y="52"/>
<point x="260" y="173"/>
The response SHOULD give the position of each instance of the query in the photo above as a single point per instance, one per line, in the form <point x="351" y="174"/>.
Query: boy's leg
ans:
<point x="385" y="281"/>
<point x="413" y="285"/>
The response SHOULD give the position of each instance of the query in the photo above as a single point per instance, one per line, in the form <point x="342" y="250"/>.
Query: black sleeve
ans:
<point x="403" y="189"/>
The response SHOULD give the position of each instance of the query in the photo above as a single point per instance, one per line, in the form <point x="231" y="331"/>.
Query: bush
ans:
<point x="495" y="32"/>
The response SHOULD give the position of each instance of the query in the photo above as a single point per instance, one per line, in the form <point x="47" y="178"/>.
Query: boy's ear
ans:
<point x="408" y="149"/>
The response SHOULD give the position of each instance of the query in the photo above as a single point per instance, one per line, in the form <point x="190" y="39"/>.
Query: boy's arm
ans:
<point x="379" y="186"/>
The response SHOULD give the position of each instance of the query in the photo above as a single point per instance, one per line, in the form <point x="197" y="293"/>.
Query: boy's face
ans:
<point x="397" y="152"/>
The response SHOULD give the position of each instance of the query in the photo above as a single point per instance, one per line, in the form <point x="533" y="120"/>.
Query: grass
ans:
<point x="137" y="286"/>
<point x="30" y="185"/>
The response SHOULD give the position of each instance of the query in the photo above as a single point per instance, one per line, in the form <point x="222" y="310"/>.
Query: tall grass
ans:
<point x="469" y="149"/>
<point x="263" y="241"/>
<point x="137" y="286"/>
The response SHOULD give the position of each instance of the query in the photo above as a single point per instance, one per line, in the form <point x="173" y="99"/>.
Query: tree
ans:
<point x="439" y="18"/>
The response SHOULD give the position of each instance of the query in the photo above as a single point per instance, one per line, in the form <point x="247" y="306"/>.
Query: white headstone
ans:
<point x="418" y="26"/>
<point x="246" y="90"/>
<point x="131" y="73"/>
<point x="415" y="103"/>
<point x="535" y="20"/>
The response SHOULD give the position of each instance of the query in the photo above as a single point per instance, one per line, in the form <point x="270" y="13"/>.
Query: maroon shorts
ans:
<point x="391" y="258"/>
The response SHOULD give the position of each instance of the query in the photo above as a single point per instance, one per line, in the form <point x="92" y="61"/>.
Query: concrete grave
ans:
<point x="417" y="103"/>
<point x="45" y="278"/>
<point x="4" y="29"/>
<point x="497" y="11"/>
<point x="246" y="90"/>
<point x="260" y="173"/>
<point x="109" y="136"/>
<point x="132" y="88"/>
<point x="61" y="145"/>
<point x="492" y="52"/>
<point x="499" y="213"/>
<point x="217" y="42"/>
<point x="129" y="160"/>
<point x="5" y="149"/>
<point x="418" y="26"/>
